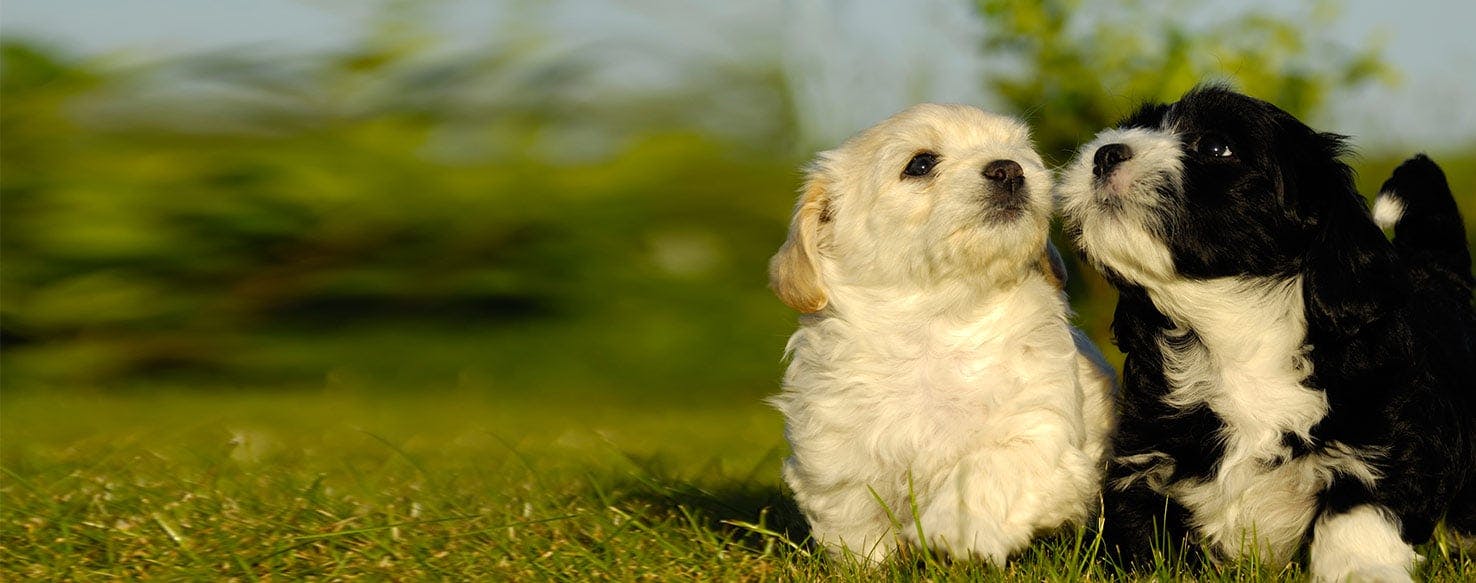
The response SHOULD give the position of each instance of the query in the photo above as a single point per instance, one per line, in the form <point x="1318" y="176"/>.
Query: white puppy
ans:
<point x="936" y="391"/>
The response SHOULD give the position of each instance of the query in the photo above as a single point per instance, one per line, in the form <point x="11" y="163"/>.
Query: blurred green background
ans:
<point x="393" y="214"/>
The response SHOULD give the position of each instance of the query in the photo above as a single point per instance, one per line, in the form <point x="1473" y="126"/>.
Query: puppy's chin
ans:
<point x="1118" y="219"/>
<point x="1000" y="249"/>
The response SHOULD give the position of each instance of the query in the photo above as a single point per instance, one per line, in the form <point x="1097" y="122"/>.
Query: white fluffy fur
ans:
<point x="1361" y="545"/>
<point x="1388" y="209"/>
<point x="941" y="374"/>
<point x="1115" y="221"/>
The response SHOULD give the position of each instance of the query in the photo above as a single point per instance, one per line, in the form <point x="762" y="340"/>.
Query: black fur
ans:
<point x="1391" y="332"/>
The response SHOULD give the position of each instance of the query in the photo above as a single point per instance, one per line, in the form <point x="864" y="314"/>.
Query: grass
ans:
<point x="334" y="484"/>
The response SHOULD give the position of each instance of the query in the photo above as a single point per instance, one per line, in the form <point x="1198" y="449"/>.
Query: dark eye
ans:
<point x="921" y="164"/>
<point x="1214" y="146"/>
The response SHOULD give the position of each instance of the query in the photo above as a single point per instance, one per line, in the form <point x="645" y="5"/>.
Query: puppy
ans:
<point x="1290" y="374"/>
<point x="936" y="390"/>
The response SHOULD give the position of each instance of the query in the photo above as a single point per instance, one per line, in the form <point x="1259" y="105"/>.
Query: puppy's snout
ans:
<point x="1005" y="173"/>
<point x="1108" y="157"/>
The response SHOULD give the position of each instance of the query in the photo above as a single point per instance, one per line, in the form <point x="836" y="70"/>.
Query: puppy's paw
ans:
<point x="948" y="526"/>
<point x="1362" y="544"/>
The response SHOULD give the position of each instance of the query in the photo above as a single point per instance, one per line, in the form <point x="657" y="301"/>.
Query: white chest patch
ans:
<point x="975" y="427"/>
<point x="924" y="392"/>
<point x="1239" y="351"/>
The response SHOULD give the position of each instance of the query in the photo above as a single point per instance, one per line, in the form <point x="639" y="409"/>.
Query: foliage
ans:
<point x="1084" y="65"/>
<point x="137" y="248"/>
<point x="407" y="218"/>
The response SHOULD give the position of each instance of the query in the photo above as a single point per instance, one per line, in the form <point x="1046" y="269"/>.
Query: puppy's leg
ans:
<point x="846" y="518"/>
<point x="1136" y="519"/>
<point x="995" y="499"/>
<point x="851" y="527"/>
<point x="1361" y="543"/>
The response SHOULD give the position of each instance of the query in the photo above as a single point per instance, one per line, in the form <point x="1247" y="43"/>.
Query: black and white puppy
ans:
<point x="1291" y="375"/>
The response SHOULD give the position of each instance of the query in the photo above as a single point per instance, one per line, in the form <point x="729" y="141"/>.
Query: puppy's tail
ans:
<point x="1417" y="204"/>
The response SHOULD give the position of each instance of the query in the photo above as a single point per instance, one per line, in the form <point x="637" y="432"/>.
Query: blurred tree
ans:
<point x="404" y="217"/>
<point x="1079" y="66"/>
<point x="378" y="211"/>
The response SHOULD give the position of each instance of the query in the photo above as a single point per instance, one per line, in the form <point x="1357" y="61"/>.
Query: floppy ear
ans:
<point x="794" y="274"/>
<point x="1053" y="266"/>
<point x="1351" y="275"/>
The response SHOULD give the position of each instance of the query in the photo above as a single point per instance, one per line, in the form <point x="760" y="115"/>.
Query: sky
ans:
<point x="852" y="62"/>
<point x="1431" y="42"/>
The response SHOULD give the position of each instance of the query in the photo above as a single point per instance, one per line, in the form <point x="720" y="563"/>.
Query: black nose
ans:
<point x="1108" y="157"/>
<point x="1006" y="172"/>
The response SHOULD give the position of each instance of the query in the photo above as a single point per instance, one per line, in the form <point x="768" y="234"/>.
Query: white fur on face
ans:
<point x="942" y="375"/>
<point x="919" y="233"/>
<point x="1120" y="228"/>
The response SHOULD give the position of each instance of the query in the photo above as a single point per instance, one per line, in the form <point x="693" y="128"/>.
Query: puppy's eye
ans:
<point x="921" y="164"/>
<point x="1214" y="146"/>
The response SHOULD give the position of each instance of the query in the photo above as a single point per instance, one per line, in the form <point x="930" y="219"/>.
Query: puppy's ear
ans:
<point x="1053" y="266"/>
<point x="1351" y="275"/>
<point x="794" y="273"/>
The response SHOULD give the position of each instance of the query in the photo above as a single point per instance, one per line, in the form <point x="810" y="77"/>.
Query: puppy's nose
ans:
<point x="1108" y="157"/>
<point x="1006" y="173"/>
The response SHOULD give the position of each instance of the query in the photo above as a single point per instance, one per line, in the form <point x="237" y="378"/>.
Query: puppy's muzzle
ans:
<point x="1108" y="158"/>
<point x="1005" y="186"/>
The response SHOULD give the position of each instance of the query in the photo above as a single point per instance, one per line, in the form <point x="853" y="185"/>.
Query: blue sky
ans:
<point x="834" y="47"/>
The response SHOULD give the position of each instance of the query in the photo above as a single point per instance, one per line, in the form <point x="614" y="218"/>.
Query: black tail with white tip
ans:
<point x="1428" y="232"/>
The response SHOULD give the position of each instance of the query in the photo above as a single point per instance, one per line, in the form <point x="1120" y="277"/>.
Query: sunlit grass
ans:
<point x="441" y="485"/>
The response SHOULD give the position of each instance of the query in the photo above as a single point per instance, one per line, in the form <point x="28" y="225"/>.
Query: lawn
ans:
<point x="331" y="483"/>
